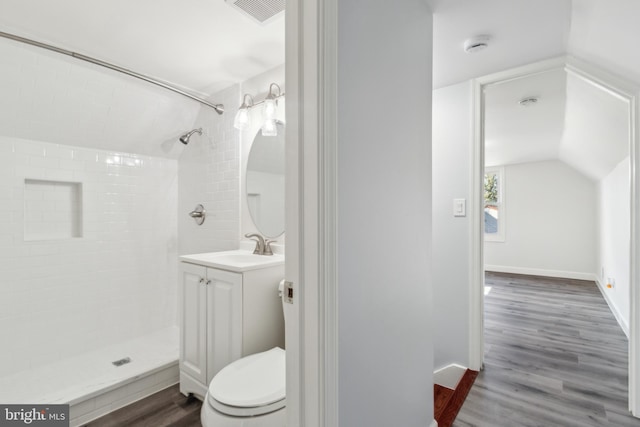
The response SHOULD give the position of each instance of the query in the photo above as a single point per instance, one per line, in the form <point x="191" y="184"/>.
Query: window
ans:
<point x="494" y="205"/>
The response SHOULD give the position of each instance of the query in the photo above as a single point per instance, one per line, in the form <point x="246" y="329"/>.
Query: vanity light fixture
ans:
<point x="269" y="128"/>
<point x="269" y="110"/>
<point x="241" y="120"/>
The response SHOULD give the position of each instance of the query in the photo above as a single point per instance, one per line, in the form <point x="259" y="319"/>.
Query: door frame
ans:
<point x="311" y="52"/>
<point x="613" y="85"/>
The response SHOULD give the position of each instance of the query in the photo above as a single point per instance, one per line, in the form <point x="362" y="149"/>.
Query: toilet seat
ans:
<point x="253" y="385"/>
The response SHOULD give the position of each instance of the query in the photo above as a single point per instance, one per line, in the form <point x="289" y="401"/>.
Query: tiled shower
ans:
<point x="94" y="193"/>
<point x="88" y="248"/>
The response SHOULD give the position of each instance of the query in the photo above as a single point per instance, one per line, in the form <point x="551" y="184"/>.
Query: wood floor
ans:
<point x="163" y="409"/>
<point x="447" y="402"/>
<point x="554" y="356"/>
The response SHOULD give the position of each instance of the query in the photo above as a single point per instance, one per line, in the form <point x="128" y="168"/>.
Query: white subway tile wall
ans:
<point x="117" y="281"/>
<point x="209" y="174"/>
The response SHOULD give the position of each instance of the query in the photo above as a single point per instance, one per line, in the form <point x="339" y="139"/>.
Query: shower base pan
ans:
<point x="92" y="384"/>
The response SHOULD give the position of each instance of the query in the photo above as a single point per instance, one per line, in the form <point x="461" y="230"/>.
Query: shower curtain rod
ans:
<point x="218" y="107"/>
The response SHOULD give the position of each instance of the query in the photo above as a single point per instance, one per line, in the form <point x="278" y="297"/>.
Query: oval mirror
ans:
<point x="265" y="182"/>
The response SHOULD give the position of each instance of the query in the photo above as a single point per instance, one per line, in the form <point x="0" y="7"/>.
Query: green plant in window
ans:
<point x="490" y="188"/>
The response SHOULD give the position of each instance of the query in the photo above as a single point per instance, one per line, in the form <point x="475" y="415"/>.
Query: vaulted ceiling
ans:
<point x="573" y="120"/>
<point x="200" y="45"/>
<point x="205" y="45"/>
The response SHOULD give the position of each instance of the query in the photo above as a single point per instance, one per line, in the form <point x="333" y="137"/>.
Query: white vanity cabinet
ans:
<point x="226" y="311"/>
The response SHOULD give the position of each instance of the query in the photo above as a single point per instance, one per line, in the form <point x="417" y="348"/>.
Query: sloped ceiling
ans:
<point x="596" y="129"/>
<point x="54" y="98"/>
<point x="606" y="33"/>
<point x="574" y="121"/>
<point x="518" y="134"/>
<point x="205" y="45"/>
<point x="199" y="46"/>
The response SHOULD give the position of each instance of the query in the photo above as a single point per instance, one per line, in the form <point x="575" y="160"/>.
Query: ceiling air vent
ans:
<point x="260" y="10"/>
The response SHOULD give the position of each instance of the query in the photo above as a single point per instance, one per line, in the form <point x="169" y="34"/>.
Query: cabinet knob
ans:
<point x="202" y="280"/>
<point x="208" y="282"/>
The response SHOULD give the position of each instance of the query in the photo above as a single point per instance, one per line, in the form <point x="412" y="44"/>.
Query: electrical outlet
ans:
<point x="611" y="283"/>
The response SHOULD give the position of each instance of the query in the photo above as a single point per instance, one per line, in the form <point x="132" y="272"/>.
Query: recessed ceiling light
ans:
<point x="476" y="44"/>
<point x="528" y="101"/>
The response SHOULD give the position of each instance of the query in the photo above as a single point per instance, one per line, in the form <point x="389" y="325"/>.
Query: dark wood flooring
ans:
<point x="447" y="402"/>
<point x="163" y="409"/>
<point x="554" y="356"/>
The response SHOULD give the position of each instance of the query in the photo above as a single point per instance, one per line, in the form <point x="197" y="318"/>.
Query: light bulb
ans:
<point x="242" y="119"/>
<point x="269" y="110"/>
<point x="269" y="128"/>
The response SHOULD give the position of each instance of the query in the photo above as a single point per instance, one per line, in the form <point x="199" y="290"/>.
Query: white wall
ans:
<point x="614" y="227"/>
<point x="551" y="225"/>
<point x="451" y="170"/>
<point x="62" y="297"/>
<point x="384" y="214"/>
<point x="209" y="174"/>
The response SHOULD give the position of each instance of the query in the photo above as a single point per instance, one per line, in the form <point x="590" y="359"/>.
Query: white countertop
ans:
<point x="237" y="260"/>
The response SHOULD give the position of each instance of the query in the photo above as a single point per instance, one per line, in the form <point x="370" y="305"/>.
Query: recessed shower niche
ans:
<point x="52" y="210"/>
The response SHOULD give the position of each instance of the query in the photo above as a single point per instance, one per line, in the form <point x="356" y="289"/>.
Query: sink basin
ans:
<point x="241" y="258"/>
<point x="238" y="260"/>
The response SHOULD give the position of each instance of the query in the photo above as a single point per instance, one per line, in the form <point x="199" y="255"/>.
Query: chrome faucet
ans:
<point x="263" y="246"/>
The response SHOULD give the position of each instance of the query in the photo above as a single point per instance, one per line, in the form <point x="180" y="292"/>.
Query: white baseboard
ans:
<point x="539" y="272"/>
<point x="621" y="321"/>
<point x="434" y="423"/>
<point x="449" y="376"/>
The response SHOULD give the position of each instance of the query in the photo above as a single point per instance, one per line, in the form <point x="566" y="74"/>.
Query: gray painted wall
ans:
<point x="384" y="214"/>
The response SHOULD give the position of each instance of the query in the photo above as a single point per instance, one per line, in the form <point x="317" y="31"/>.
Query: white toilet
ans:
<point x="249" y="392"/>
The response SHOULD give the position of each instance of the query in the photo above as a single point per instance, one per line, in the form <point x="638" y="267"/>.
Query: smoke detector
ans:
<point x="528" y="101"/>
<point x="476" y="44"/>
<point x="263" y="11"/>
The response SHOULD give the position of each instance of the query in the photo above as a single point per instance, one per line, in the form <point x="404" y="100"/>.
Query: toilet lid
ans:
<point x="255" y="380"/>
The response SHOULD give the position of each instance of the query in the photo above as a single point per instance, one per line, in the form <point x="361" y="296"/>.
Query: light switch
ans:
<point x="459" y="207"/>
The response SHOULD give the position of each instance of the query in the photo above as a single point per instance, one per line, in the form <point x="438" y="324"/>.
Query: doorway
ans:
<point x="586" y="74"/>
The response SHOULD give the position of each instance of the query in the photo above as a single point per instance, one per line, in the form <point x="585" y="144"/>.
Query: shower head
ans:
<point x="185" y="138"/>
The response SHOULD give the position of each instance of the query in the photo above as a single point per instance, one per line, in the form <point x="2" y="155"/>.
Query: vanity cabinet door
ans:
<point x="224" y="319"/>
<point x="193" y="321"/>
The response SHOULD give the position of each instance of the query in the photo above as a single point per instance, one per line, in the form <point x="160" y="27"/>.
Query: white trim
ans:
<point x="449" y="376"/>
<point x="616" y="86"/>
<point x="540" y="272"/>
<point x="621" y="321"/>
<point x="476" y="228"/>
<point x="301" y="58"/>
<point x="311" y="86"/>
<point x="329" y="212"/>
<point x="434" y="423"/>
<point x="634" y="273"/>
